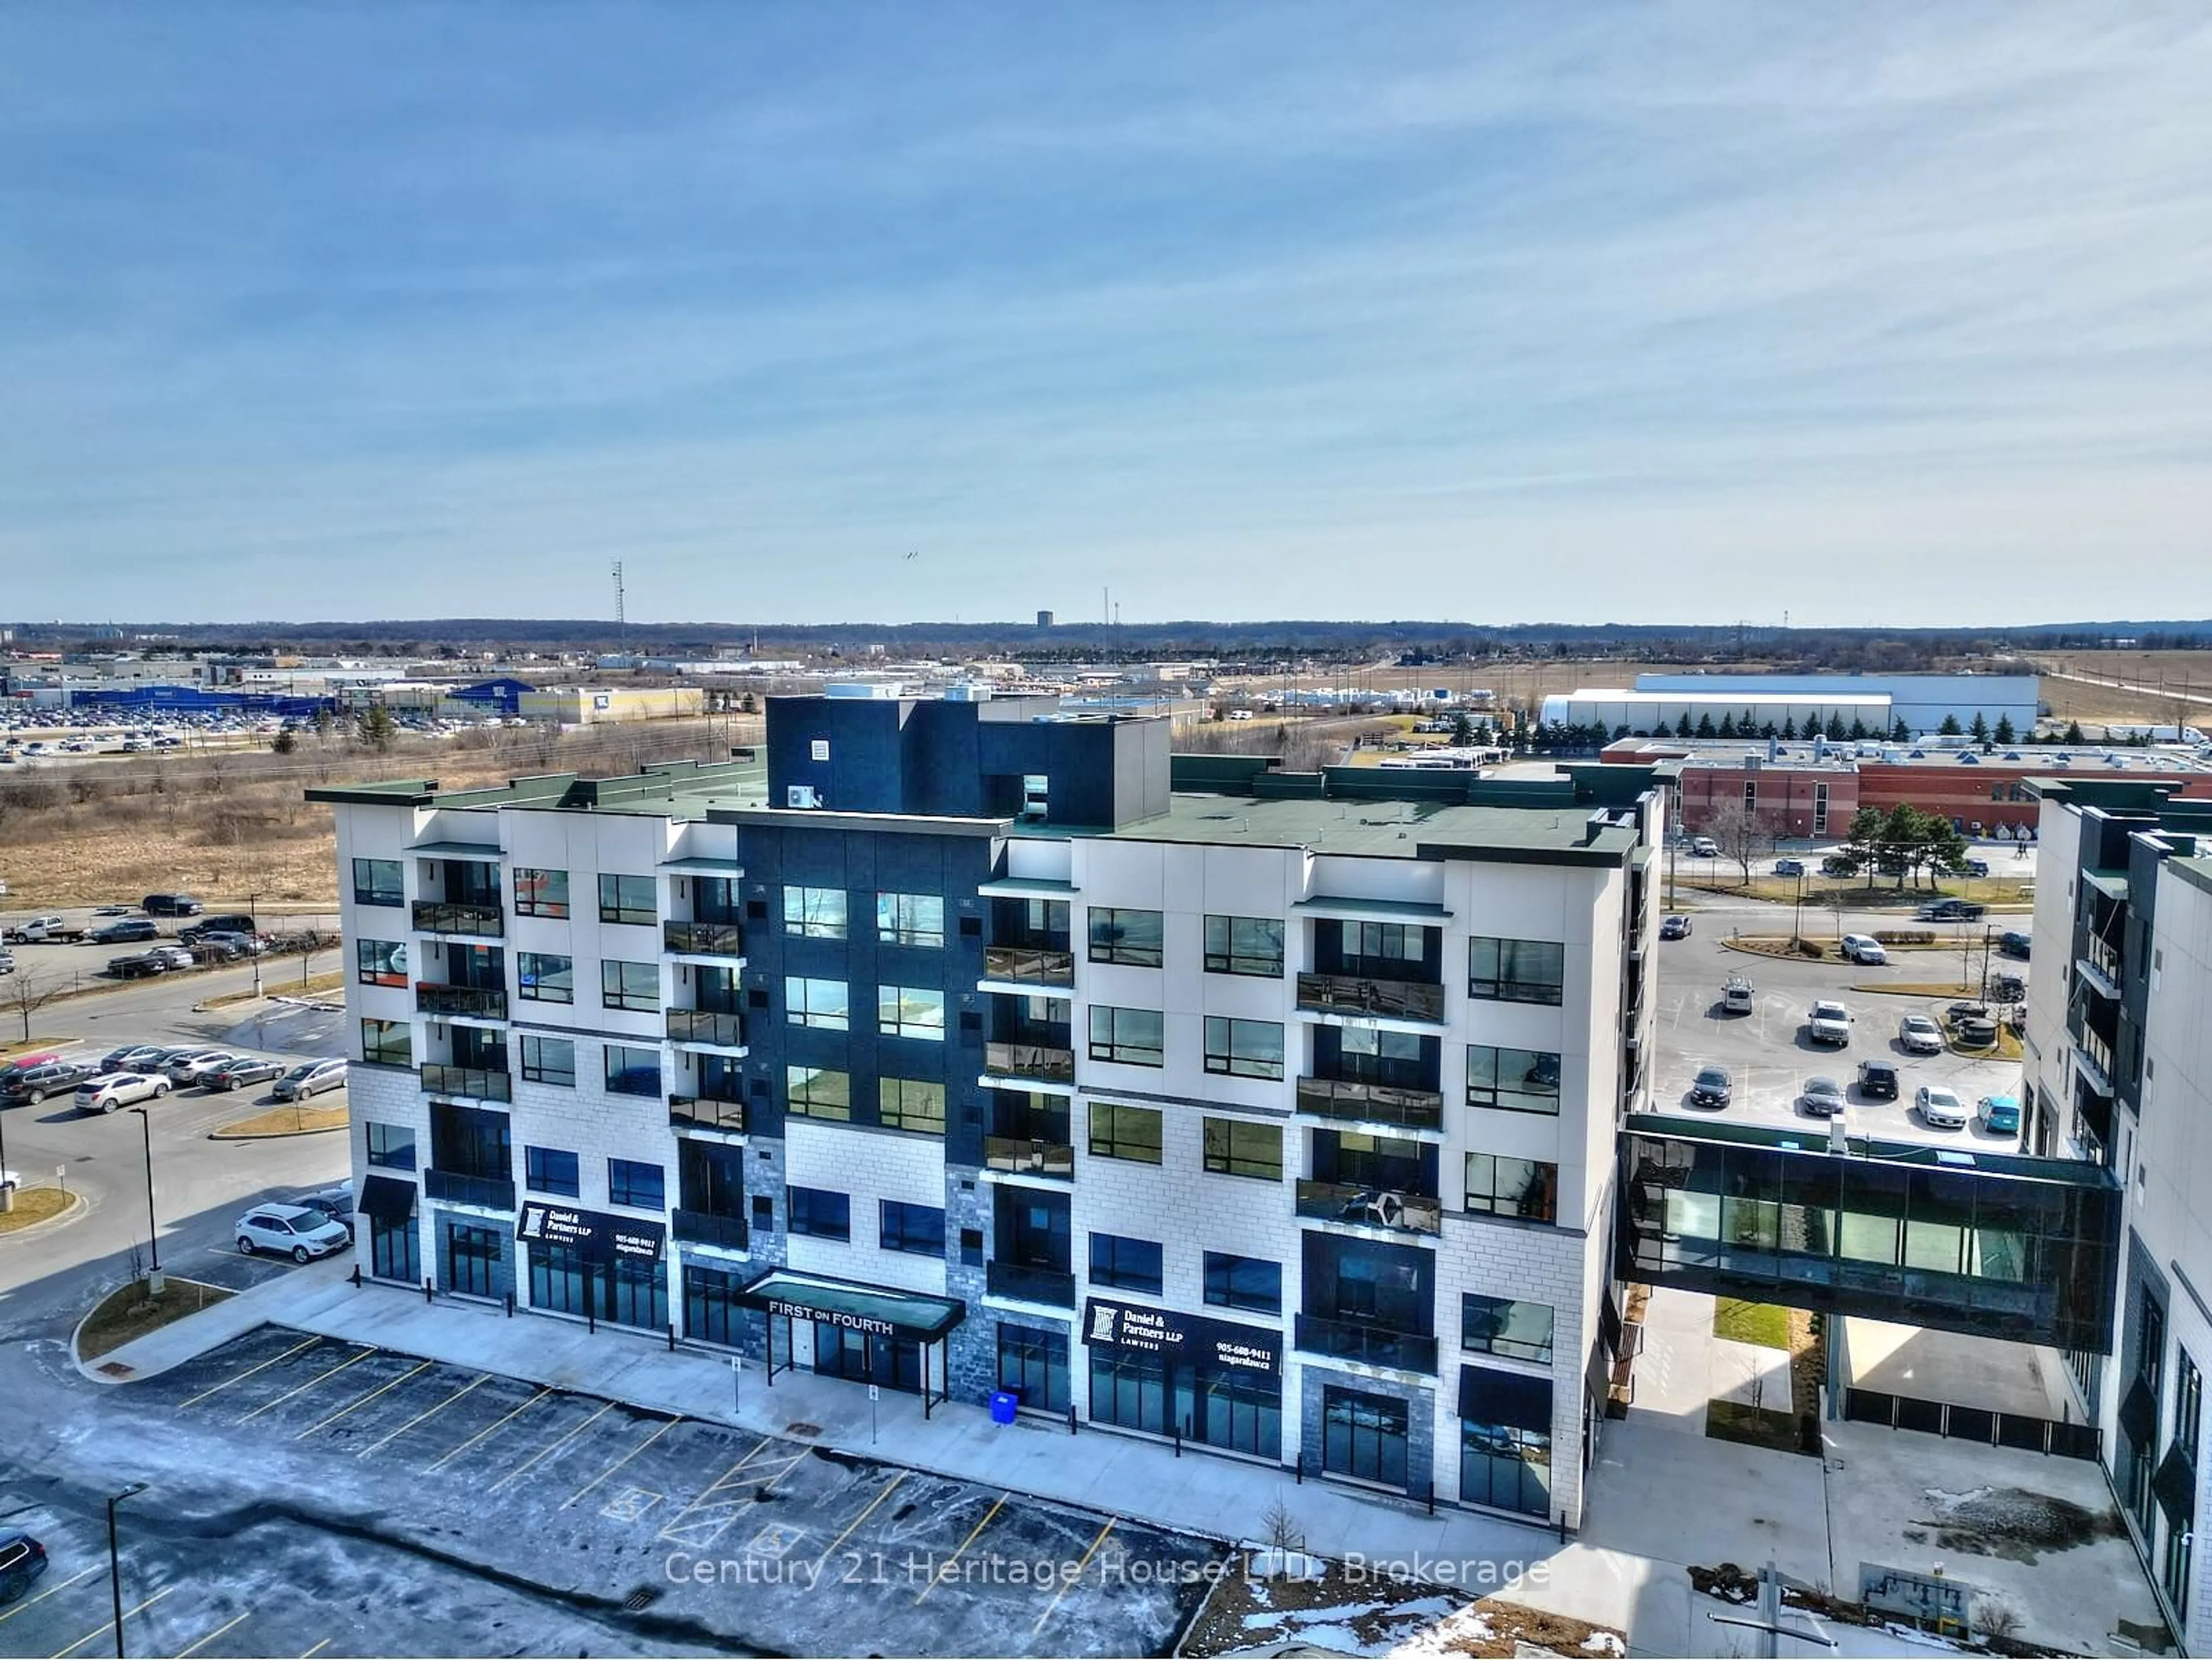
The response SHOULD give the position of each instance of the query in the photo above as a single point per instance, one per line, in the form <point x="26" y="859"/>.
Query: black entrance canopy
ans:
<point x="387" y="1198"/>
<point x="902" y="1317"/>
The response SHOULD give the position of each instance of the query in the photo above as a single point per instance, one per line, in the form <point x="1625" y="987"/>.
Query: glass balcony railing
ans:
<point x="1371" y="1103"/>
<point x="490" y="1002"/>
<point x="700" y="1228"/>
<point x="726" y="1031"/>
<point x="1347" y="993"/>
<point x="1027" y="1156"/>
<point x="489" y="1192"/>
<point x="707" y="1112"/>
<point x="1029" y="965"/>
<point x="1373" y="1346"/>
<point x="472" y="1083"/>
<point x="703" y="939"/>
<point x="1371" y="1207"/>
<point x="1054" y="1287"/>
<point x="1030" y="1060"/>
<point x="433" y="916"/>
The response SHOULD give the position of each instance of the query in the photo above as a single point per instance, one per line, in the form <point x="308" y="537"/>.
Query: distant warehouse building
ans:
<point x="1877" y="702"/>
<point x="584" y="706"/>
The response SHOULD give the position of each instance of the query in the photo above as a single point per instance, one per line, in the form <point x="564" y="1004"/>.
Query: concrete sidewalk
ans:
<point x="1199" y="1494"/>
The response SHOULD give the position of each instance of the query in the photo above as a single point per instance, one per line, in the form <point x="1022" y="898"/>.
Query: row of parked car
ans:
<point x="147" y="1072"/>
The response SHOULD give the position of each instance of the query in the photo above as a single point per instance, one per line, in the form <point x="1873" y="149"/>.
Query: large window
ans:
<point x="1506" y="1467"/>
<point x="1126" y="1264"/>
<point x="910" y="1011"/>
<point x="379" y="882"/>
<point x="391" y="1146"/>
<point x="640" y="1186"/>
<point x="1499" y="1325"/>
<point x="395" y="1250"/>
<point x="1251" y="1283"/>
<point x="540" y="893"/>
<point x="1235" y="1146"/>
<point x="1244" y="945"/>
<point x="917" y="1230"/>
<point x="545" y="978"/>
<point x="387" y="1043"/>
<point x="1033" y="1364"/>
<point x="824" y="1003"/>
<point x="634" y="986"/>
<point x="1516" y="970"/>
<point x="1243" y="1049"/>
<point x="629" y="900"/>
<point x="1372" y="1056"/>
<point x="910" y="1103"/>
<point x="814" y="913"/>
<point x="910" y="919"/>
<point x="1120" y="1132"/>
<point x="549" y="1061"/>
<point x="818" y="1214"/>
<point x="1130" y="1037"/>
<point x="1132" y="938"/>
<point x="818" y="1092"/>
<point x="712" y="1312"/>
<point x="2188" y="1404"/>
<point x="1517" y="1080"/>
<point x="1512" y="1187"/>
<point x="552" y="1169"/>
<point x="472" y="1256"/>
<point x="380" y="962"/>
<point x="1386" y="945"/>
<point x="632" y="1071"/>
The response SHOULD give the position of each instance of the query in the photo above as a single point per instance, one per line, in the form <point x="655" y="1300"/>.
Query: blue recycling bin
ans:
<point x="1004" y="1403"/>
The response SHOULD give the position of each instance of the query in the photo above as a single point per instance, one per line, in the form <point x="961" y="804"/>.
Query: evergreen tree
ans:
<point x="1789" y="730"/>
<point x="1743" y="727"/>
<point x="2074" y="733"/>
<point x="2004" y="733"/>
<point x="1705" y="723"/>
<point x="1812" y="725"/>
<point x="376" y="727"/>
<point x="1949" y="728"/>
<point x="1728" y="725"/>
<point x="1980" y="728"/>
<point x="284" y="743"/>
<point x="1462" y="731"/>
<point x="1767" y="731"/>
<point x="1898" y="733"/>
<point x="1836" y="728"/>
<point x="1682" y="726"/>
<point x="1858" y="729"/>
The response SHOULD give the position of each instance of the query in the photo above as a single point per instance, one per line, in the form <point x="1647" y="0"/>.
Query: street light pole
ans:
<point x="153" y="1228"/>
<point x="115" y="1562"/>
<point x="253" y="906"/>
<point x="1796" y="916"/>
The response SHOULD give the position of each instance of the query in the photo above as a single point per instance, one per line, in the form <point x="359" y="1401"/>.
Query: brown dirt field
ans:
<point x="2180" y="671"/>
<point x="223" y="826"/>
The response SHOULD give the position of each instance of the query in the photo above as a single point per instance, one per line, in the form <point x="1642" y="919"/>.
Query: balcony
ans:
<point x="485" y="921"/>
<point x="1392" y="1000"/>
<point x="707" y="1112"/>
<point x="703" y="939"/>
<point x="1371" y="1207"/>
<point x="469" y="1083"/>
<point x="486" y="1003"/>
<point x="2092" y="1064"/>
<point x="1371" y="1103"/>
<point x="1035" y="1061"/>
<point x="2100" y="971"/>
<point x="706" y="1028"/>
<point x="485" y="1192"/>
<point x="1029" y="965"/>
<point x="1371" y="1345"/>
<point x="700" y="1228"/>
<point x="1053" y="1288"/>
<point x="1025" y="1156"/>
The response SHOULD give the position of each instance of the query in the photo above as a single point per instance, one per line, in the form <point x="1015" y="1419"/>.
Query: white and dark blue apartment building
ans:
<point x="961" y="1047"/>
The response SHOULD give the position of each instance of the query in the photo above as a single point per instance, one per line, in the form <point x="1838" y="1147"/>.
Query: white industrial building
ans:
<point x="1922" y="702"/>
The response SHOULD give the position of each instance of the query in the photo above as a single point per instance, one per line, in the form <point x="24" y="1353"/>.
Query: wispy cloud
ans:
<point x="1644" y="312"/>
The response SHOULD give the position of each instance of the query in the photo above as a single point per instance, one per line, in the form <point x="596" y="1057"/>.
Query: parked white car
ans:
<point x="1919" y="1035"/>
<point x="120" y="1089"/>
<point x="293" y="1230"/>
<point x="1941" y="1109"/>
<point x="1864" y="948"/>
<point x="1829" y="1023"/>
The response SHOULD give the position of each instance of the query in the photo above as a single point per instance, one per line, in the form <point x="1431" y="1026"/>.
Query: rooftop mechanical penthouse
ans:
<point x="963" y="1047"/>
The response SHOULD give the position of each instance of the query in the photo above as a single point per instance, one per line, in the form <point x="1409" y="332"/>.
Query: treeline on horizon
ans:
<point x="1416" y="642"/>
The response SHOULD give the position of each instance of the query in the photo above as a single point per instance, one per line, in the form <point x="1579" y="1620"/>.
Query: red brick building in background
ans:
<point x="1807" y="798"/>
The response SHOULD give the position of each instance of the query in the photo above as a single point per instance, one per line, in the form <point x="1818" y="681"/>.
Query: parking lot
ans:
<point x="672" y="1533"/>
<point x="82" y="964"/>
<point x="1771" y="1056"/>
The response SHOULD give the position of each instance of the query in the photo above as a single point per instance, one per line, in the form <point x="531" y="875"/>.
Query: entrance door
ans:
<point x="1364" y="1435"/>
<point x="860" y="1358"/>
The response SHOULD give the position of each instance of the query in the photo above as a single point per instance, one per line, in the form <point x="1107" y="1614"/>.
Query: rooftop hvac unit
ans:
<point x="800" y="795"/>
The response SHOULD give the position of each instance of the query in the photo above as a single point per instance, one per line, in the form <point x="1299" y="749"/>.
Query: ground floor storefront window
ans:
<point x="712" y="1313"/>
<point x="1364" y="1435"/>
<point x="1129" y="1388"/>
<point x="395" y="1250"/>
<point x="1233" y="1407"/>
<point x="471" y="1263"/>
<point x="1505" y="1467"/>
<point x="1033" y="1364"/>
<point x="629" y="1291"/>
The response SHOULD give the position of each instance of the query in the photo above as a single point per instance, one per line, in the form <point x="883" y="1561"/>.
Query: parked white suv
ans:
<point x="120" y="1089"/>
<point x="291" y="1230"/>
<point x="1829" y="1023"/>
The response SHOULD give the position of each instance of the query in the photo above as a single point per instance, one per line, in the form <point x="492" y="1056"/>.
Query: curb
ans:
<point x="275" y="1135"/>
<point x="35" y="1045"/>
<point x="78" y="1205"/>
<point x="90" y="1369"/>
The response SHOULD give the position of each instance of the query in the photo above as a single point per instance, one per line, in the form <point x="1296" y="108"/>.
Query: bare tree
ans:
<point x="1736" y="828"/>
<point x="27" y="993"/>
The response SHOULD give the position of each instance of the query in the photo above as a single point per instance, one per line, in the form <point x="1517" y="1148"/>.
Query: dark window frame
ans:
<point x="1127" y="1264"/>
<point x="1228" y="1031"/>
<point x="367" y="889"/>
<point x="619" y="903"/>
<point x="1107" y="936"/>
<point x="1475" y="1311"/>
<point x="799" y="1009"/>
<point x="629" y="1185"/>
<point x="543" y="1172"/>
<point x="615" y="1082"/>
<point x="531" y="884"/>
<point x="1116" y="1143"/>
<point x="373" y="961"/>
<point x="1502" y="1098"/>
<point x="891" y="1019"/>
<point x="1228" y="1159"/>
<point x="896" y="1111"/>
<point x="530" y="984"/>
<point x="388" y="1147"/>
<point x="1536" y="1200"/>
<point x="818" y="1214"/>
<point x="1507" y="980"/>
<point x="834" y="1105"/>
<point x="1222" y="1271"/>
<point x="800" y="921"/>
<point x="618" y="985"/>
<point x="535" y="1047"/>
<point x="905" y="1227"/>
<point x="385" y="1052"/>
<point x="1228" y="946"/>
<point x="1115" y="1049"/>
<point x="896" y="924"/>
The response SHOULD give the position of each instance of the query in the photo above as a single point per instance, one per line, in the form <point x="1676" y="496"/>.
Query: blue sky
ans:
<point x="1873" y="314"/>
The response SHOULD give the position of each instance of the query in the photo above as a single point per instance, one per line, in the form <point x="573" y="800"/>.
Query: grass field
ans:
<point x="1763" y="1323"/>
<point x="127" y="1312"/>
<point x="2167" y="675"/>
<point x="226" y="825"/>
<point x="33" y="1206"/>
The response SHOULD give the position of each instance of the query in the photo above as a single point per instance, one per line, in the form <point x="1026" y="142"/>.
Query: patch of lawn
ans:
<point x="1762" y="1323"/>
<point x="1754" y="1427"/>
<point x="285" y="1120"/>
<point x="34" y="1204"/>
<point x="127" y="1312"/>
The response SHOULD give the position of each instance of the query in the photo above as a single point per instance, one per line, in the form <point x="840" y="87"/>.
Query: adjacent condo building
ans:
<point x="969" y="1050"/>
<point x="2119" y="1071"/>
